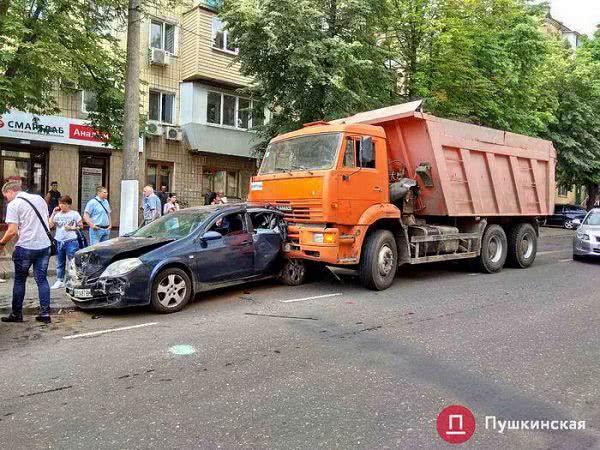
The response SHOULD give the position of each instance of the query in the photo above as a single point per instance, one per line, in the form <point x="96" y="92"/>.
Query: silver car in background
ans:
<point x="587" y="239"/>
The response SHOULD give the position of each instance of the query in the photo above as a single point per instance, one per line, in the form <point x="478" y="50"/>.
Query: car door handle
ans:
<point x="245" y="242"/>
<point x="377" y="189"/>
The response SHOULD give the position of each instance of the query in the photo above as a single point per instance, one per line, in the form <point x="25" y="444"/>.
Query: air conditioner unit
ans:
<point x="173" y="134"/>
<point x="154" y="129"/>
<point x="159" y="57"/>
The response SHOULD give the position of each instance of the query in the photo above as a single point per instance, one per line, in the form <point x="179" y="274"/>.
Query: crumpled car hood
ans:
<point x="91" y="261"/>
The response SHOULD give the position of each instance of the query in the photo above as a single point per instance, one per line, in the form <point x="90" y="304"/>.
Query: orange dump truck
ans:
<point x="397" y="186"/>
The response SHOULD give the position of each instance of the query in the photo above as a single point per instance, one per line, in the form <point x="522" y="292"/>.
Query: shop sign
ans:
<point x="54" y="129"/>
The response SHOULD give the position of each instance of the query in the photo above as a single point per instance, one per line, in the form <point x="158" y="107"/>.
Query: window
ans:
<point x="88" y="101"/>
<point x="159" y="174"/>
<point x="225" y="182"/>
<point x="369" y="164"/>
<point x="563" y="191"/>
<point x="221" y="36"/>
<point x="162" y="36"/>
<point x="162" y="106"/>
<point x="232" y="111"/>
<point x="349" y="154"/>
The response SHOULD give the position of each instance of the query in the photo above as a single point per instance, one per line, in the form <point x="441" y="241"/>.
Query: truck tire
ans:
<point x="379" y="261"/>
<point x="494" y="248"/>
<point x="522" y="246"/>
<point x="293" y="272"/>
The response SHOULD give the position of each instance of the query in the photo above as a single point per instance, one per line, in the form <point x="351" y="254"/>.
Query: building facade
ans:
<point x="198" y="135"/>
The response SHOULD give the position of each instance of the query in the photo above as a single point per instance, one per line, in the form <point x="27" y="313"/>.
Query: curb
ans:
<point x="31" y="310"/>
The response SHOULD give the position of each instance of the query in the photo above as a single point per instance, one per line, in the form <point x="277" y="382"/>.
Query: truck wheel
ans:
<point x="522" y="246"/>
<point x="493" y="250"/>
<point x="171" y="290"/>
<point x="293" y="272"/>
<point x="379" y="261"/>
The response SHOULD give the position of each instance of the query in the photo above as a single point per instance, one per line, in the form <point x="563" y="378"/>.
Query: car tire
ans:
<point x="522" y="246"/>
<point x="568" y="224"/>
<point x="494" y="246"/>
<point x="378" y="261"/>
<point x="171" y="291"/>
<point x="293" y="272"/>
<point x="578" y="257"/>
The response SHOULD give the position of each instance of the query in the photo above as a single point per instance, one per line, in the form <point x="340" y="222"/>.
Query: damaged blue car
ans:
<point x="165" y="263"/>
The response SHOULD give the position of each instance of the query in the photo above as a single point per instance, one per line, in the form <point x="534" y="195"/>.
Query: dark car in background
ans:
<point x="564" y="215"/>
<point x="166" y="262"/>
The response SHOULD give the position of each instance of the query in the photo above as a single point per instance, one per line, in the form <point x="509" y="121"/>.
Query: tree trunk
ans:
<point x="593" y="193"/>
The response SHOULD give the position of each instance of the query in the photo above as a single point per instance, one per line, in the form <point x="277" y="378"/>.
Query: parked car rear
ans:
<point x="565" y="214"/>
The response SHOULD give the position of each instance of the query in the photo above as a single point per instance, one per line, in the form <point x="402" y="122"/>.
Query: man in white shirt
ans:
<point x="32" y="248"/>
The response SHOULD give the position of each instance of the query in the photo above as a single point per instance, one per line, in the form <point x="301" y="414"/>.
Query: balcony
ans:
<point x="200" y="59"/>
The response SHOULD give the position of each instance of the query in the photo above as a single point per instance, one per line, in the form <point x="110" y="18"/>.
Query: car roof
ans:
<point x="230" y="207"/>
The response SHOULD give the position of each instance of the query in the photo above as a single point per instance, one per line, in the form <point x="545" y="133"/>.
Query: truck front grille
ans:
<point x="302" y="211"/>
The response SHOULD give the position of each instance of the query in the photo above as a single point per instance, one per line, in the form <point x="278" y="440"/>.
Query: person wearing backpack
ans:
<point x="97" y="216"/>
<point x="27" y="217"/>
<point x="67" y="223"/>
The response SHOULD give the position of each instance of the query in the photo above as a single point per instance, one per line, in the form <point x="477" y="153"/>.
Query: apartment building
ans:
<point x="198" y="136"/>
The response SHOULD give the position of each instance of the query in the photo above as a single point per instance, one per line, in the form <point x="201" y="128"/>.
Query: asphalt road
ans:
<point x="242" y="368"/>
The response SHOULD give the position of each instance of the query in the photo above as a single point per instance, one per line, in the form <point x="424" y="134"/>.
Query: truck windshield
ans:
<point x="312" y="152"/>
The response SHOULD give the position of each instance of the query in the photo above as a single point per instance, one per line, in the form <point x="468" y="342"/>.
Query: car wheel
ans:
<point x="522" y="246"/>
<point x="568" y="224"/>
<point x="578" y="257"/>
<point x="494" y="248"/>
<point x="171" y="290"/>
<point x="293" y="272"/>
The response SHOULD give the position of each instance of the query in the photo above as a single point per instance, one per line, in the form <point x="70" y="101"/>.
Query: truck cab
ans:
<point x="325" y="178"/>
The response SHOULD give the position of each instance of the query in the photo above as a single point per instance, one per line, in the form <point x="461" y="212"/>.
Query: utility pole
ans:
<point x="131" y="124"/>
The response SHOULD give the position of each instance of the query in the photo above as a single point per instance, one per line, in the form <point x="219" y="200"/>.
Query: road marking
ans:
<point x="112" y="330"/>
<point x="553" y="251"/>
<point x="310" y="298"/>
<point x="565" y="260"/>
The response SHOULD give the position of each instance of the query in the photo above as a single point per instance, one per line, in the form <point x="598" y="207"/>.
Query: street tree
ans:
<point x="576" y="130"/>
<point x="48" y="46"/>
<point x="482" y="61"/>
<point x="311" y="59"/>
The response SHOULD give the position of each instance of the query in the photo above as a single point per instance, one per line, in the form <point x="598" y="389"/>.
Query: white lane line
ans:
<point x="112" y="330"/>
<point x="310" y="298"/>
<point x="553" y="251"/>
<point x="565" y="260"/>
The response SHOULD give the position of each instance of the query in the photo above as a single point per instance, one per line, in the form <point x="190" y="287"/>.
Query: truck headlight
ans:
<point x="327" y="238"/>
<point x="121" y="267"/>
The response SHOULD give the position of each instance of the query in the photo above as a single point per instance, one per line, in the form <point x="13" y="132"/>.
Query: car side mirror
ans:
<point x="366" y="151"/>
<point x="211" y="236"/>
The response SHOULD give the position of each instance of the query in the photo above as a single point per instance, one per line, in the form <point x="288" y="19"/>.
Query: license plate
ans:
<point x="82" y="293"/>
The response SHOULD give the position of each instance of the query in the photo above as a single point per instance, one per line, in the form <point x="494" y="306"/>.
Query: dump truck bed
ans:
<point x="475" y="171"/>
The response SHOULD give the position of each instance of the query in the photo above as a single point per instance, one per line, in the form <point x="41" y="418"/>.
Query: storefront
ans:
<point x="37" y="150"/>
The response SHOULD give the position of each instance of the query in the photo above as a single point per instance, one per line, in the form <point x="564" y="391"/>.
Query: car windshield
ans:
<point x="175" y="226"/>
<point x="312" y="152"/>
<point x="592" y="219"/>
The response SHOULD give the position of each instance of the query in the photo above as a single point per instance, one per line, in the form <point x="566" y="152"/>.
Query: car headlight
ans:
<point x="583" y="236"/>
<point x="121" y="267"/>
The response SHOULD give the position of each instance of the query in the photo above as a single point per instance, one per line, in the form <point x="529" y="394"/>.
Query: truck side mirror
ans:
<point x="367" y="155"/>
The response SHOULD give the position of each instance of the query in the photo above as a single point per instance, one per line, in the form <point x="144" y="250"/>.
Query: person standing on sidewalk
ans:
<point x="25" y="215"/>
<point x="171" y="206"/>
<point x="67" y="223"/>
<point x="52" y="196"/>
<point x="97" y="216"/>
<point x="151" y="205"/>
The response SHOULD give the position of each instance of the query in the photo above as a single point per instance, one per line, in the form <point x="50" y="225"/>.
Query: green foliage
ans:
<point x="481" y="61"/>
<point x="48" y="46"/>
<point x="576" y="132"/>
<point x="310" y="59"/>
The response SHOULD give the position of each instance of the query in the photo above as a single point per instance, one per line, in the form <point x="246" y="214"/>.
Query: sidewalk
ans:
<point x="58" y="299"/>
